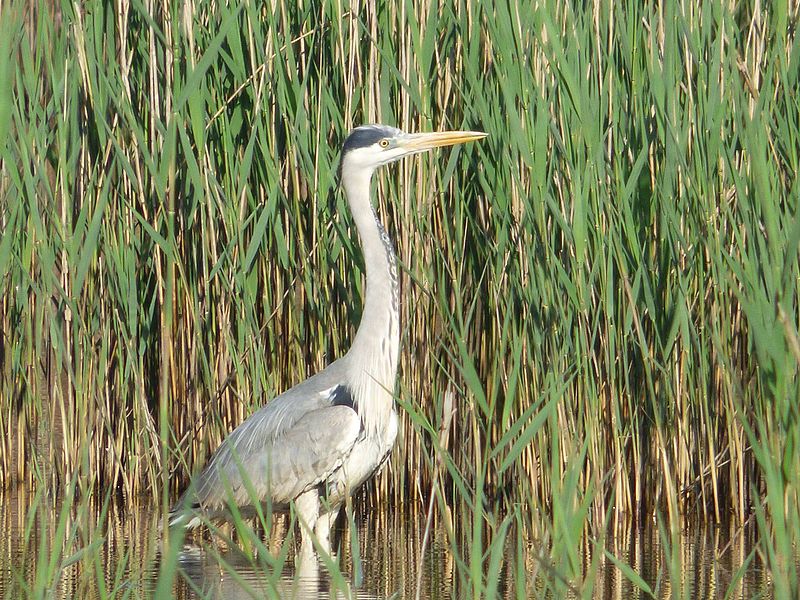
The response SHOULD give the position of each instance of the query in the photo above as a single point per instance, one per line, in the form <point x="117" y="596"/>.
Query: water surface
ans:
<point x="89" y="551"/>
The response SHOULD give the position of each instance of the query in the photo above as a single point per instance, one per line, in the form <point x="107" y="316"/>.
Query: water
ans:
<point x="117" y="551"/>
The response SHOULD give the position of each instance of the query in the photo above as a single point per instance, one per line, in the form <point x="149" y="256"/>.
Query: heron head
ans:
<point x="371" y="146"/>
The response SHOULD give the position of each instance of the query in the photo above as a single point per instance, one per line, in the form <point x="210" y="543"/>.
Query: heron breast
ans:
<point x="367" y="458"/>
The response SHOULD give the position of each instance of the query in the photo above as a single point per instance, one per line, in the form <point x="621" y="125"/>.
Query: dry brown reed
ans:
<point x="609" y="283"/>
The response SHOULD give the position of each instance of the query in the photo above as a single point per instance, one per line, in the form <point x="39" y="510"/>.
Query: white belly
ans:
<point x="367" y="458"/>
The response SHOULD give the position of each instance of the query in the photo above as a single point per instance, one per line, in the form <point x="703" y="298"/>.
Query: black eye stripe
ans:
<point x="363" y="137"/>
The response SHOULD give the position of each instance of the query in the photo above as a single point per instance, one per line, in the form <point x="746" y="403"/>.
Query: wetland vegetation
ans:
<point x="600" y="300"/>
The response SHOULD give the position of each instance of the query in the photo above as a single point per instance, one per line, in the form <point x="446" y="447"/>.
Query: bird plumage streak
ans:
<point x="319" y="441"/>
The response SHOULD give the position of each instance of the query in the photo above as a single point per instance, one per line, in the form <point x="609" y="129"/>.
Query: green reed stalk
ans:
<point x="609" y="281"/>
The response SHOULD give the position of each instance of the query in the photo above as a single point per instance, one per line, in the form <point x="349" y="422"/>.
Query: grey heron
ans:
<point x="318" y="442"/>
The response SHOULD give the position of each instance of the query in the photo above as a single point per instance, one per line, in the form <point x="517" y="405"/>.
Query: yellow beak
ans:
<point x="418" y="142"/>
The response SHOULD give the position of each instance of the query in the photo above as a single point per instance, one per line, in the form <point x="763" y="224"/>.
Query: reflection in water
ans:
<point x="230" y="575"/>
<point x="382" y="562"/>
<point x="702" y="562"/>
<point x="88" y="552"/>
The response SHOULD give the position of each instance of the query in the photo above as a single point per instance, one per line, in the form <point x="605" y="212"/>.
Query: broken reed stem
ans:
<point x="440" y="450"/>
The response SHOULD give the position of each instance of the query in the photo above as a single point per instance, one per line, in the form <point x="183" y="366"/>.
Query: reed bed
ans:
<point x="94" y="549"/>
<point x="606" y="287"/>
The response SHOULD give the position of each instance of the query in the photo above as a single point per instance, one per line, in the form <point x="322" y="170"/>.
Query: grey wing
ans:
<point x="310" y="452"/>
<point x="276" y="455"/>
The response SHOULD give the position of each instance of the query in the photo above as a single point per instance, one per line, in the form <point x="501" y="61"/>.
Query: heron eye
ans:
<point x="384" y="143"/>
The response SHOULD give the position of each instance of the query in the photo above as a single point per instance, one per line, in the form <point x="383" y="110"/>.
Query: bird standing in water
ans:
<point x="318" y="442"/>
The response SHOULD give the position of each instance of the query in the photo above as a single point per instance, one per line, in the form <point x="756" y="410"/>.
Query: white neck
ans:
<point x="374" y="353"/>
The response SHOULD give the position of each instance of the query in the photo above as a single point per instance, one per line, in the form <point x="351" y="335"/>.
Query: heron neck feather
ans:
<point x="375" y="349"/>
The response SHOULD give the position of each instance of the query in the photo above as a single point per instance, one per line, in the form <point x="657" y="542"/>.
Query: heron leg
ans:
<point x="307" y="506"/>
<point x="323" y="529"/>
